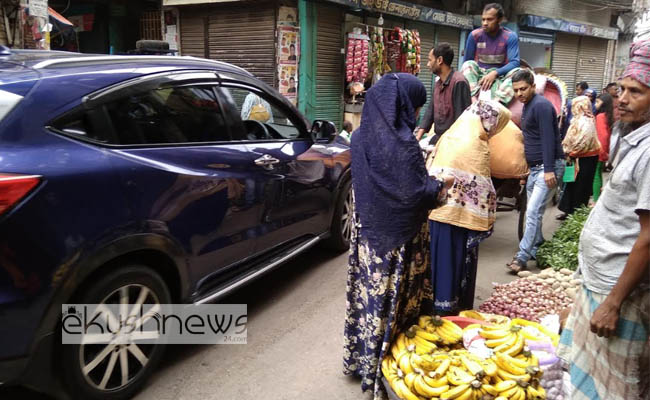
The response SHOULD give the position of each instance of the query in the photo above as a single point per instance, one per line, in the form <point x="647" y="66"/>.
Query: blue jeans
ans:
<point x="539" y="194"/>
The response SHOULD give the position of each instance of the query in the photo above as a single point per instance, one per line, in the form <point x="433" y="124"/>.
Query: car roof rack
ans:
<point x="114" y="59"/>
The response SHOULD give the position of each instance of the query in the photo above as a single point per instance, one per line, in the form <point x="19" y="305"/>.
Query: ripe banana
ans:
<point x="458" y="376"/>
<point x="426" y="335"/>
<point x="535" y="393"/>
<point x="423" y="389"/>
<point x="435" y="383"/>
<point x="409" y="378"/>
<point x="442" y="368"/>
<point x="473" y="367"/>
<point x="517" y="347"/>
<point x="507" y="344"/>
<point x="506" y="376"/>
<point x="403" y="391"/>
<point x="455" y="392"/>
<point x="505" y="385"/>
<point x="505" y="363"/>
<point x="494" y="334"/>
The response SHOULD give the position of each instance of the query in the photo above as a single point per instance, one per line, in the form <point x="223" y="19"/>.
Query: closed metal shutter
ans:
<point x="329" y="65"/>
<point x="427" y="42"/>
<point x="244" y="36"/>
<point x="451" y="36"/>
<point x="565" y="59"/>
<point x="192" y="33"/>
<point x="3" y="30"/>
<point x="591" y="61"/>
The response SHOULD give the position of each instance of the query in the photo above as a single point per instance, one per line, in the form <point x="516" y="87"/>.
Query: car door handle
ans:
<point x="267" y="161"/>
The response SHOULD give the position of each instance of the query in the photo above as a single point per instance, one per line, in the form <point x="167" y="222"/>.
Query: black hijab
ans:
<point x="392" y="189"/>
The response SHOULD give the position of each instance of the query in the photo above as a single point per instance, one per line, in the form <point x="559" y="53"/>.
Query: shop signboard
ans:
<point x="575" y="28"/>
<point x="38" y="8"/>
<point x="411" y="11"/>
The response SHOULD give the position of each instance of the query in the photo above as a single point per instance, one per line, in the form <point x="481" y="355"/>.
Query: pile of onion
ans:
<point x="525" y="298"/>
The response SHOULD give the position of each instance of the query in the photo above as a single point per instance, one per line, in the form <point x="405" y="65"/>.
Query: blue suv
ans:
<point x="170" y="179"/>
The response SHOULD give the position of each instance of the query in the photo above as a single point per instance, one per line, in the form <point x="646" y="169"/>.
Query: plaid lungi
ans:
<point x="614" y="368"/>
<point x="501" y="88"/>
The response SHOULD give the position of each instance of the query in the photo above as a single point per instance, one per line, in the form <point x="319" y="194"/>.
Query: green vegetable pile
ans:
<point x="562" y="250"/>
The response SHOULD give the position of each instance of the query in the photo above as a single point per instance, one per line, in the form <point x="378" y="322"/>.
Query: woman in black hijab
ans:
<point x="388" y="276"/>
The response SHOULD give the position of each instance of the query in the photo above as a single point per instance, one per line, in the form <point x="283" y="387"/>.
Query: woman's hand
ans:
<point x="447" y="182"/>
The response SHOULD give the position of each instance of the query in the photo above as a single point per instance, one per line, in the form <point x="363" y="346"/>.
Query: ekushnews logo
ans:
<point x="127" y="324"/>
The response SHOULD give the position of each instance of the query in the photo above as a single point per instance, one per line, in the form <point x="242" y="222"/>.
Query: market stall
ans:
<point x="371" y="52"/>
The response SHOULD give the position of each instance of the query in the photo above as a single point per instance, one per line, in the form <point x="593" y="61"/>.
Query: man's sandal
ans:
<point x="515" y="266"/>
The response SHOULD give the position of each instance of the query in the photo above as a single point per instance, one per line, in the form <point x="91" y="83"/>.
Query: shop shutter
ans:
<point x="451" y="36"/>
<point x="329" y="65"/>
<point x="565" y="59"/>
<point x="591" y="61"/>
<point x="427" y="39"/>
<point x="3" y="30"/>
<point x="244" y="36"/>
<point x="192" y="33"/>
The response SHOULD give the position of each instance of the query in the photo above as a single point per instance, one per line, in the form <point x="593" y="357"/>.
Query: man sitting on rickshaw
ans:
<point x="492" y="54"/>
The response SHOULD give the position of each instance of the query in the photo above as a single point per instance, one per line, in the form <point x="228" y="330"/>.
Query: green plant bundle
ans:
<point x="562" y="250"/>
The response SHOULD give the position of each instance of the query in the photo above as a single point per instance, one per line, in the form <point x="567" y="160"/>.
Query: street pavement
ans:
<point x="295" y="332"/>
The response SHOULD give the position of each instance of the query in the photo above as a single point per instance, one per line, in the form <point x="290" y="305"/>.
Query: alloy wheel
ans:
<point x="110" y="361"/>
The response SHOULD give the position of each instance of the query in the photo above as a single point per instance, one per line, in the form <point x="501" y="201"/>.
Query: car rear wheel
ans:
<point x="343" y="221"/>
<point x="119" y="368"/>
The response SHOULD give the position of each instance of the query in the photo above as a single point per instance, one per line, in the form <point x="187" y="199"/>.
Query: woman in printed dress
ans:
<point x="388" y="274"/>
<point x="468" y="216"/>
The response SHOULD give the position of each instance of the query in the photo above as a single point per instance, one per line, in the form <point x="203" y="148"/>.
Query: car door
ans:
<point x="182" y="173"/>
<point x="291" y="176"/>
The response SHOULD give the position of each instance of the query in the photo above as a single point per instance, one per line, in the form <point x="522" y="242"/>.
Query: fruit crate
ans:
<point x="389" y="390"/>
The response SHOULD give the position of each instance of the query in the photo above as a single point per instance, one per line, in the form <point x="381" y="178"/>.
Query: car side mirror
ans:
<point x="323" y="131"/>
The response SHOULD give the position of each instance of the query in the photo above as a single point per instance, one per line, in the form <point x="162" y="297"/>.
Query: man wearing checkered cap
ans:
<point x="606" y="338"/>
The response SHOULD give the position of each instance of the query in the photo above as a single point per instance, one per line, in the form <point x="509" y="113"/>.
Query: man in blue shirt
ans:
<point x="492" y="56"/>
<point x="543" y="148"/>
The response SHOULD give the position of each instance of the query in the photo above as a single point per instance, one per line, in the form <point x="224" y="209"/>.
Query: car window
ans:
<point x="261" y="117"/>
<point x="181" y="114"/>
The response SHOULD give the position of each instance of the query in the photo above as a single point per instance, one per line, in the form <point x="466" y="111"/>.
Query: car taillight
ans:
<point x="15" y="187"/>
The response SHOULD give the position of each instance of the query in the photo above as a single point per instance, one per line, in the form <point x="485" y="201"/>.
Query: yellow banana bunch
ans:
<point x="546" y="334"/>
<point x="458" y="376"/>
<point x="389" y="368"/>
<point x="423" y="388"/>
<point x="471" y="314"/>
<point x="416" y="335"/>
<point x="473" y="367"/>
<point x="507" y="376"/>
<point x="462" y="392"/>
<point x="400" y="344"/>
<point x="448" y="332"/>
<point x="401" y="389"/>
<point x="489" y="366"/>
<point x="404" y="360"/>
<point x="528" y="357"/>
<point x="535" y="393"/>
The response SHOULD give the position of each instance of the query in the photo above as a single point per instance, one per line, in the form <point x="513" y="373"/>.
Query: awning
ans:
<point x="576" y="28"/>
<point x="54" y="17"/>
<point x="58" y="17"/>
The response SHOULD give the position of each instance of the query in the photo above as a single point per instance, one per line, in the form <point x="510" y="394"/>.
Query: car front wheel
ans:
<point x="99" y="368"/>
<point x="343" y="221"/>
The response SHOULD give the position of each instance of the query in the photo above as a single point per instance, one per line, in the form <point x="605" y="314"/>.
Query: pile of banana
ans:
<point x="510" y="338"/>
<point x="427" y="361"/>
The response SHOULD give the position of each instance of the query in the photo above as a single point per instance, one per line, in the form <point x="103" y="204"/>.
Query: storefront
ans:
<point x="580" y="52"/>
<point x="377" y="37"/>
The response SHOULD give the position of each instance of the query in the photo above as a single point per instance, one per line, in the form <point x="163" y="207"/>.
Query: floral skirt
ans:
<point x="385" y="294"/>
